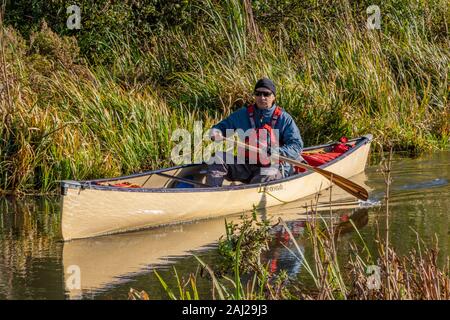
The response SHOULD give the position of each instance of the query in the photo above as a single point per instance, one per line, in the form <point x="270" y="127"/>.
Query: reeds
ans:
<point x="366" y="275"/>
<point x="64" y="117"/>
<point x="416" y="275"/>
<point x="241" y="275"/>
<point x="72" y="124"/>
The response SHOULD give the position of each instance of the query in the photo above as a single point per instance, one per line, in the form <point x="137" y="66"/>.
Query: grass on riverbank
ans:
<point x="414" y="276"/>
<point x="66" y="118"/>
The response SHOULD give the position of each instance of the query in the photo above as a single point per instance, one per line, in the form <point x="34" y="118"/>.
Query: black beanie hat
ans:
<point x="266" y="83"/>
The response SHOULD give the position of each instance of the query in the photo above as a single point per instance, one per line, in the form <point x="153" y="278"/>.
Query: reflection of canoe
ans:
<point x="104" y="261"/>
<point x="98" y="207"/>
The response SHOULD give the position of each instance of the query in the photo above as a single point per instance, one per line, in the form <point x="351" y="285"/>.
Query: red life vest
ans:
<point x="342" y="146"/>
<point x="264" y="132"/>
<point x="318" y="159"/>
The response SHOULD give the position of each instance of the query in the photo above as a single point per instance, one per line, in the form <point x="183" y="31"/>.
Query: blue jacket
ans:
<point x="291" y="144"/>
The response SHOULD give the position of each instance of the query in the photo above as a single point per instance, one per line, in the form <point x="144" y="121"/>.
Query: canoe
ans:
<point x="155" y="198"/>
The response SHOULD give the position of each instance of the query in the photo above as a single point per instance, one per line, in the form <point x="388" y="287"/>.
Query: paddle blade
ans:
<point x="348" y="185"/>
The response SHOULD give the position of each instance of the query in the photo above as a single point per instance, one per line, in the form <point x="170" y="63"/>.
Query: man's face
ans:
<point x="264" y="98"/>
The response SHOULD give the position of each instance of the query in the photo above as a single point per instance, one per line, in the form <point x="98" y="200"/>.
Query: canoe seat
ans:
<point x="227" y="182"/>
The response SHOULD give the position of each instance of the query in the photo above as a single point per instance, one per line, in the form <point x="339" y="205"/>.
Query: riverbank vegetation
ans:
<point x="366" y="275"/>
<point x="379" y="273"/>
<point x="103" y="100"/>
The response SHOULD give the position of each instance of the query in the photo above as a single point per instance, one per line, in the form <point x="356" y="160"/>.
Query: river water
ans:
<point x="35" y="264"/>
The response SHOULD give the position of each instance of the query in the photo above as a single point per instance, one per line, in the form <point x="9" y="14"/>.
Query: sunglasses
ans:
<point x="261" y="93"/>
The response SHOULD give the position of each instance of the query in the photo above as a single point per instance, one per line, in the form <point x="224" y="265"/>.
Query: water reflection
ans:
<point x="111" y="260"/>
<point x="30" y="254"/>
<point x="425" y="184"/>
<point x="283" y="254"/>
<point x="35" y="264"/>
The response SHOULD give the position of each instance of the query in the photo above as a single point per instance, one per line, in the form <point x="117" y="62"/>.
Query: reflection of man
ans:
<point x="282" y="258"/>
<point x="266" y="118"/>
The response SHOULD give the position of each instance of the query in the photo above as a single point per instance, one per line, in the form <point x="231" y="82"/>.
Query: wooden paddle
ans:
<point x="347" y="185"/>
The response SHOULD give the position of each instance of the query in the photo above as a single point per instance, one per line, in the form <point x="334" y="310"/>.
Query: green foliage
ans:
<point x="241" y="251"/>
<point x="103" y="100"/>
<point x="103" y="22"/>
<point x="182" y="285"/>
<point x="244" y="243"/>
<point x="65" y="122"/>
<point x="415" y="276"/>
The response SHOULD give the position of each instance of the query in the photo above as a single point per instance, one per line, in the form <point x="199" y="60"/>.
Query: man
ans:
<point x="263" y="115"/>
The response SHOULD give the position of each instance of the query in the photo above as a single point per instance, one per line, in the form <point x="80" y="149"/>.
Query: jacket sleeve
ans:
<point x="231" y="122"/>
<point x="292" y="141"/>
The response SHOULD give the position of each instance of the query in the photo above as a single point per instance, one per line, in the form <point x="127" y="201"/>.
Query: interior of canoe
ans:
<point x="195" y="176"/>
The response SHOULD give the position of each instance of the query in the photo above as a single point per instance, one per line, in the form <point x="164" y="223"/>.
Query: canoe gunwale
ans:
<point x="91" y="184"/>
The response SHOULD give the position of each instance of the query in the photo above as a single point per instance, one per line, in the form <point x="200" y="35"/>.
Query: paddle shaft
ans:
<point x="347" y="185"/>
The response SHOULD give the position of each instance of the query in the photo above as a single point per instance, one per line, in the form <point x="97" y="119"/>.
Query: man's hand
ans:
<point x="216" y="135"/>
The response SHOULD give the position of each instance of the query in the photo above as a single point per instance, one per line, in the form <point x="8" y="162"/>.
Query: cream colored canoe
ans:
<point x="109" y="261"/>
<point x="98" y="207"/>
